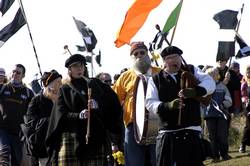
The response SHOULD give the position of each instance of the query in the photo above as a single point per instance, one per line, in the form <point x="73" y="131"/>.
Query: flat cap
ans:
<point x="171" y="50"/>
<point x="74" y="59"/>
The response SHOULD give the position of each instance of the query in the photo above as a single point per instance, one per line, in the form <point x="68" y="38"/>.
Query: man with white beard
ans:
<point x="135" y="154"/>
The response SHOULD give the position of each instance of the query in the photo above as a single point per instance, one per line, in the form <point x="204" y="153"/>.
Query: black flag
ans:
<point x="226" y="49"/>
<point x="5" y="5"/>
<point x="98" y="58"/>
<point x="227" y="19"/>
<point x="157" y="42"/>
<point x="244" y="48"/>
<point x="12" y="27"/>
<point x="81" y="48"/>
<point x="87" y="34"/>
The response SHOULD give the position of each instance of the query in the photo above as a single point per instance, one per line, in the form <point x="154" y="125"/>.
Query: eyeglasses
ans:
<point x="17" y="72"/>
<point x="107" y="81"/>
<point x="139" y="52"/>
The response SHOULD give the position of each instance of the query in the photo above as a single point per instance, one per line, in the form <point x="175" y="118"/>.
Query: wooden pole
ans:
<point x="88" y="122"/>
<point x="31" y="38"/>
<point x="236" y="31"/>
<point x="172" y="37"/>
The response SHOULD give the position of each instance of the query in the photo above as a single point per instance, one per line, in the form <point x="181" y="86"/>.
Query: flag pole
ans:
<point x="172" y="37"/>
<point x="92" y="64"/>
<point x="31" y="38"/>
<point x="236" y="31"/>
<point x="238" y="25"/>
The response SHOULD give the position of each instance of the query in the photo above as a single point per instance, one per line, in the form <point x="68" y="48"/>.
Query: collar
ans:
<point x="149" y="72"/>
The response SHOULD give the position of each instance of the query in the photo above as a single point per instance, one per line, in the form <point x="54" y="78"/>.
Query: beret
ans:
<point x="75" y="58"/>
<point x="171" y="50"/>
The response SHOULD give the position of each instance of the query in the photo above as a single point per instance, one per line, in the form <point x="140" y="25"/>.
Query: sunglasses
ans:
<point x="107" y="81"/>
<point x="139" y="53"/>
<point x="17" y="72"/>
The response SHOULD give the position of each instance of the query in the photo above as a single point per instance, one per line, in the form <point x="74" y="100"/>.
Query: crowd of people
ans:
<point x="76" y="120"/>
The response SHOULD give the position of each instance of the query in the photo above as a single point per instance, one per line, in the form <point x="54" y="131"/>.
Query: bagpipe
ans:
<point x="188" y="80"/>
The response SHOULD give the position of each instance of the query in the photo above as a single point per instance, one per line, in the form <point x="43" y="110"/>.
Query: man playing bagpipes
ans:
<point x="177" y="102"/>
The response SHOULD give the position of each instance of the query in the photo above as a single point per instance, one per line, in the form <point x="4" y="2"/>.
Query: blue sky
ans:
<point x="52" y="27"/>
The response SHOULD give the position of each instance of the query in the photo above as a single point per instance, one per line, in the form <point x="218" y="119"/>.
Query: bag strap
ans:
<point x="77" y="91"/>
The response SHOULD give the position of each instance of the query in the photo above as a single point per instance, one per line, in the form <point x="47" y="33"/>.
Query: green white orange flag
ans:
<point x="173" y="18"/>
<point x="134" y="19"/>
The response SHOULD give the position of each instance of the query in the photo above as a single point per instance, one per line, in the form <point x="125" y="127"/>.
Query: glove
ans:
<point x="93" y="104"/>
<point x="187" y="93"/>
<point x="173" y="105"/>
<point x="84" y="114"/>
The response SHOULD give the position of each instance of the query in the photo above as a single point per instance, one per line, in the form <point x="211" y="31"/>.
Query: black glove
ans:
<point x="189" y="92"/>
<point x="173" y="105"/>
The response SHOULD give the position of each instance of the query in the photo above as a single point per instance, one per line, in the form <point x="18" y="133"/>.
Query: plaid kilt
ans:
<point x="67" y="156"/>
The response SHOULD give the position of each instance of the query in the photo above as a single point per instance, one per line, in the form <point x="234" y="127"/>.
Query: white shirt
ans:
<point x="152" y="96"/>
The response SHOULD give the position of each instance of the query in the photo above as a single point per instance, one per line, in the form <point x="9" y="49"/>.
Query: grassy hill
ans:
<point x="238" y="159"/>
<point x="235" y="135"/>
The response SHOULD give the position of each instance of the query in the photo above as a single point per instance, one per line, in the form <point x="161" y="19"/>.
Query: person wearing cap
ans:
<point x="235" y="66"/>
<point x="230" y="78"/>
<point x="217" y="117"/>
<point x="179" y="136"/>
<point x="14" y="101"/>
<point x="81" y="98"/>
<point x="105" y="78"/>
<point x="135" y="154"/>
<point x="37" y="117"/>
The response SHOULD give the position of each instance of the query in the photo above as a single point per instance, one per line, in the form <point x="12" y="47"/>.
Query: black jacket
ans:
<point x="65" y="116"/>
<point x="15" y="101"/>
<point x="36" y="125"/>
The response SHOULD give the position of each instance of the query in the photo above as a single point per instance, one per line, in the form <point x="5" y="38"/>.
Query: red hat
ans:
<point x="137" y="45"/>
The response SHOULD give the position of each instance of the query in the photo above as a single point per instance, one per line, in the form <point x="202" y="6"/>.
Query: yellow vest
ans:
<point x="124" y="88"/>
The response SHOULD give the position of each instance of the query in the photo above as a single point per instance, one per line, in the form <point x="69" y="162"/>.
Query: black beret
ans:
<point x="75" y="58"/>
<point x="49" y="77"/>
<point x="171" y="50"/>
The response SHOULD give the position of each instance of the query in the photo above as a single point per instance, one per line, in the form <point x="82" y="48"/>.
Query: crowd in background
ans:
<point x="50" y="126"/>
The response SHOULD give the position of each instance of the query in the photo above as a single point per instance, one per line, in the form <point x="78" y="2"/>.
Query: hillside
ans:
<point x="235" y="134"/>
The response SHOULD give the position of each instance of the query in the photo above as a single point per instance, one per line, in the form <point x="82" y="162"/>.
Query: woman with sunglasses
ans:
<point x="37" y="117"/>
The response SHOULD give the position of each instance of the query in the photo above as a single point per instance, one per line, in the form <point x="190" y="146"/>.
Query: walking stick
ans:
<point x="89" y="109"/>
<point x="183" y="84"/>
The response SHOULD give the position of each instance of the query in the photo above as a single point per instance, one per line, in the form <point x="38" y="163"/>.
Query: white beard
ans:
<point x="142" y="64"/>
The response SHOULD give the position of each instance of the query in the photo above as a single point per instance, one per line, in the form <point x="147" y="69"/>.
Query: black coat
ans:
<point x="72" y="100"/>
<point x="36" y="125"/>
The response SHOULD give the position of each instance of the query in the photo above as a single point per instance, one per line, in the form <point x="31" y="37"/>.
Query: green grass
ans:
<point x="235" y="135"/>
<point x="238" y="159"/>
